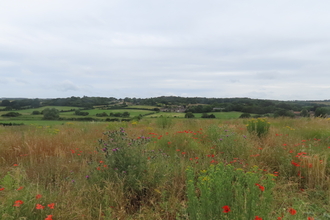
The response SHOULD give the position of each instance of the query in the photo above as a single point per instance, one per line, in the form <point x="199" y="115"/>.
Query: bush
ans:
<point x="51" y="114"/>
<point x="259" y="126"/>
<point x="126" y="114"/>
<point x="102" y="114"/>
<point x="321" y="112"/>
<point x="78" y="112"/>
<point x="284" y="113"/>
<point x="11" y="114"/>
<point x="189" y="115"/>
<point x="245" y="115"/>
<point x="36" y="113"/>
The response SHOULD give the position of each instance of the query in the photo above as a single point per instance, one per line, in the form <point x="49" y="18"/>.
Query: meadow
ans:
<point x="166" y="168"/>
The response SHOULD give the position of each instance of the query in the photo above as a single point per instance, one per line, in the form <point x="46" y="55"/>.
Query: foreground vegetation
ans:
<point x="164" y="168"/>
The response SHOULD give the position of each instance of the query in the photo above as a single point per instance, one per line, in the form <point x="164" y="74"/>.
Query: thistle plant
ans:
<point x="122" y="159"/>
<point x="259" y="126"/>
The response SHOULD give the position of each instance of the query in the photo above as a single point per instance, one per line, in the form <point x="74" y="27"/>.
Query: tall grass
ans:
<point x="68" y="165"/>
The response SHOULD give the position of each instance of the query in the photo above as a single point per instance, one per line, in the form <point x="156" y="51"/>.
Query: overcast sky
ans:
<point x="148" y="48"/>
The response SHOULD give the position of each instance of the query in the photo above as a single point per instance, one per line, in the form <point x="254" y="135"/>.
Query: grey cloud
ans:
<point x="144" y="48"/>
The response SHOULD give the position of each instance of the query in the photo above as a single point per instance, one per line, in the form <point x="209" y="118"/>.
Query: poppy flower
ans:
<point x="262" y="188"/>
<point x="257" y="218"/>
<point x="38" y="196"/>
<point x="226" y="209"/>
<point x="21" y="187"/>
<point x="2" y="189"/>
<point x="39" y="206"/>
<point x="292" y="211"/>
<point x="51" y="205"/>
<point x="49" y="217"/>
<point x="18" y="203"/>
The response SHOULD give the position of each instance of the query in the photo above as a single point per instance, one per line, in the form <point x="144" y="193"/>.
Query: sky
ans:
<point x="277" y="50"/>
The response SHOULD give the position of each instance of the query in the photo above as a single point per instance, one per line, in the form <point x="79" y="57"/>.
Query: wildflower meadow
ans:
<point x="167" y="168"/>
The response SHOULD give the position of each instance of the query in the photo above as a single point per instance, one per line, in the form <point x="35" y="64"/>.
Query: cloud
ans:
<point x="145" y="48"/>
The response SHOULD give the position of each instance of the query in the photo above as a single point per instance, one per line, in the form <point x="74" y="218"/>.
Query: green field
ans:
<point x="27" y="117"/>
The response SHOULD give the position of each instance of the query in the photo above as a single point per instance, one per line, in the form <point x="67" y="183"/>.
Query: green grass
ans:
<point x="93" y="112"/>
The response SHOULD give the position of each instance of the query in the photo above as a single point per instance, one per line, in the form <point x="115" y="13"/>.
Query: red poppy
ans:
<point x="292" y="211"/>
<point x="18" y="203"/>
<point x="51" y="205"/>
<point x="257" y="218"/>
<point x="49" y="217"/>
<point x="295" y="164"/>
<point x="262" y="188"/>
<point x="38" y="196"/>
<point x="2" y="189"/>
<point x="21" y="187"/>
<point x="226" y="209"/>
<point x="39" y="206"/>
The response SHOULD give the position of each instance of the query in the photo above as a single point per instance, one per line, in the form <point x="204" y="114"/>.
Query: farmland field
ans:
<point x="153" y="169"/>
<point x="27" y="117"/>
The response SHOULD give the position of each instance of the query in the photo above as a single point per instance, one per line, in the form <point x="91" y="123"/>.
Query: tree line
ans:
<point x="191" y="104"/>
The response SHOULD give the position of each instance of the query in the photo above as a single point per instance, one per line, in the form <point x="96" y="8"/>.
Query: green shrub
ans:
<point x="35" y="112"/>
<point x="189" y="115"/>
<point x="245" y="115"/>
<point x="11" y="114"/>
<point x="51" y="114"/>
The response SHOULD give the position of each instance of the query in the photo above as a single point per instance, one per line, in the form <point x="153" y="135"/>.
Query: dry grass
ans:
<point x="47" y="165"/>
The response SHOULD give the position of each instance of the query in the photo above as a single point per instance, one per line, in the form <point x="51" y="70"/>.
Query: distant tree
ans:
<point x="103" y="114"/>
<point x="8" y="108"/>
<point x="189" y="115"/>
<point x="212" y="116"/>
<point x="204" y="115"/>
<point x="117" y="114"/>
<point x="78" y="112"/>
<point x="51" y="113"/>
<point x="35" y="112"/>
<point x="304" y="113"/>
<point x="126" y="114"/>
<point x="321" y="112"/>
<point x="35" y="103"/>
<point x="5" y="103"/>
<point x="11" y="114"/>
<point x="283" y="113"/>
<point x="245" y="115"/>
